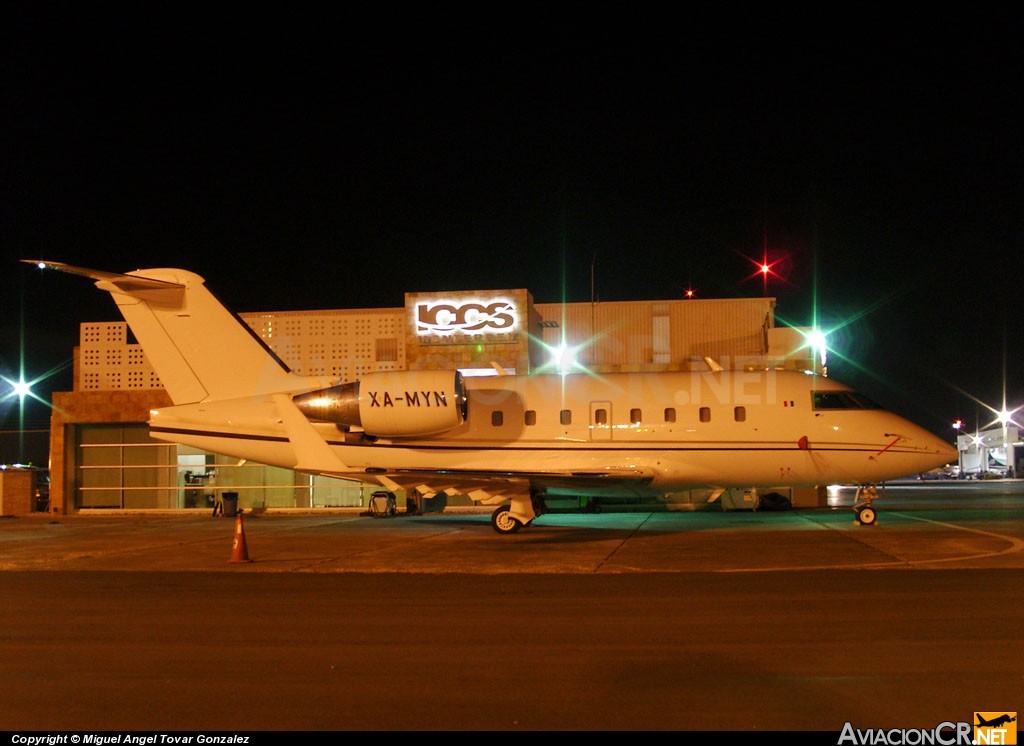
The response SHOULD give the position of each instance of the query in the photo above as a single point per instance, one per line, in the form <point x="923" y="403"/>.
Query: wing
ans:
<point x="495" y="487"/>
<point x="490" y="487"/>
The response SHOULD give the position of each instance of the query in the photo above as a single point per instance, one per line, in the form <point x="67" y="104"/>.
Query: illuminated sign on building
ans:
<point x="461" y="320"/>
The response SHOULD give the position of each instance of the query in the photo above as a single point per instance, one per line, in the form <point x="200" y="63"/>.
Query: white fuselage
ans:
<point x="503" y="438"/>
<point x="622" y="433"/>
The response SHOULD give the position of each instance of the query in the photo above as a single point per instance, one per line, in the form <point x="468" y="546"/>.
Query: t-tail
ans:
<point x="202" y="351"/>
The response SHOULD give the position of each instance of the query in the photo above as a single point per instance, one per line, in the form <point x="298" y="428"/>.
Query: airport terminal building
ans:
<point x="102" y="457"/>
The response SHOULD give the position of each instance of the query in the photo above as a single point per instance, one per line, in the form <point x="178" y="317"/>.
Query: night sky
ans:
<point x="305" y="163"/>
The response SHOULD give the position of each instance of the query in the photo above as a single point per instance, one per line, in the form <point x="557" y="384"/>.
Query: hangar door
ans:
<point x="120" y="466"/>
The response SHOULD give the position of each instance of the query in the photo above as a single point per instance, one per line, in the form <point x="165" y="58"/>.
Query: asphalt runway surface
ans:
<point x="684" y="621"/>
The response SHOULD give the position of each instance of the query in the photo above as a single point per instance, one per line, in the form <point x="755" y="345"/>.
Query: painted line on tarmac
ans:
<point x="1015" y="545"/>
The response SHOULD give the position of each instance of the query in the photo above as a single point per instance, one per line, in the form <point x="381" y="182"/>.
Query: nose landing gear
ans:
<point x="863" y="507"/>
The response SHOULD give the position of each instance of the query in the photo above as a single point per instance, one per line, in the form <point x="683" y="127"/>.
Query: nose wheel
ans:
<point x="862" y="506"/>
<point x="866" y="515"/>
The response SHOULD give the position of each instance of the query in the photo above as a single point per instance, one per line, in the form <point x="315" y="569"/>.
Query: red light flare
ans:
<point x="765" y="268"/>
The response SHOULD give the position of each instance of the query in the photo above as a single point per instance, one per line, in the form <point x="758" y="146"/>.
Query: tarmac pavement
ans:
<point x="921" y="526"/>
<point x="656" y="620"/>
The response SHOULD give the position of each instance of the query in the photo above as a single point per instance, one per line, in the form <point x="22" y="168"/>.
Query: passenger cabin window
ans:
<point x="565" y="417"/>
<point x="739" y="414"/>
<point x="497" y="417"/>
<point x="530" y="418"/>
<point x="635" y="416"/>
<point x="670" y="414"/>
<point x="841" y="400"/>
<point x="600" y="416"/>
<point x="705" y="414"/>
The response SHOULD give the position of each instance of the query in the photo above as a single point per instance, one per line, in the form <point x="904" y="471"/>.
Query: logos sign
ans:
<point x="467" y="320"/>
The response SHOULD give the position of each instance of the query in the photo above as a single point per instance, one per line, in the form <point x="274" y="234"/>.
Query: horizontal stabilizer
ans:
<point x="201" y="351"/>
<point x="145" y="288"/>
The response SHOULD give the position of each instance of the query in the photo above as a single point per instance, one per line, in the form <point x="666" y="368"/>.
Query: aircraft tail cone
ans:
<point x="239" y="550"/>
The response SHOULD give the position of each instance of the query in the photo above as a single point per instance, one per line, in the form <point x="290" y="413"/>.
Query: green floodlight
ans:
<point x="564" y="359"/>
<point x="817" y="340"/>
<point x="22" y="389"/>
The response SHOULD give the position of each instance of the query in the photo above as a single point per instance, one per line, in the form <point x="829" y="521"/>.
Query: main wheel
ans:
<point x="866" y="516"/>
<point x="504" y="522"/>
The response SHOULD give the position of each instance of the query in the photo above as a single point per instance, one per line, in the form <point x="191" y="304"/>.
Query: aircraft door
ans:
<point x="600" y="420"/>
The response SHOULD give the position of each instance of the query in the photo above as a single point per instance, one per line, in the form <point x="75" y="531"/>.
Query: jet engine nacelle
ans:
<point x="397" y="404"/>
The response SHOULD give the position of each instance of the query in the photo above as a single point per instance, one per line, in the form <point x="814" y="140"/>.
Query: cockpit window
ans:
<point x="841" y="400"/>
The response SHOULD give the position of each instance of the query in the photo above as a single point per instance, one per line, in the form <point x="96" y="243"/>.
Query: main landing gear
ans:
<point x="504" y="522"/>
<point x="508" y="519"/>
<point x="862" y="505"/>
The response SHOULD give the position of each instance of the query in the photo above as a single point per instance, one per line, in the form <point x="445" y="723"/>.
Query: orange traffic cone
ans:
<point x="239" y="550"/>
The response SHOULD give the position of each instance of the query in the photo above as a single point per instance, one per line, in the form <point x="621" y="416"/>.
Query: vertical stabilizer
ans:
<point x="200" y="349"/>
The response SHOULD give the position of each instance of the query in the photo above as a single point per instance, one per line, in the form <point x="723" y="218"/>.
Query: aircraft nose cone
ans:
<point x="934" y="451"/>
<point x="944" y="452"/>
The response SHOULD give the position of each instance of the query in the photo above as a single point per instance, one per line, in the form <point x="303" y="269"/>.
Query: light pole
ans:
<point x="958" y="425"/>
